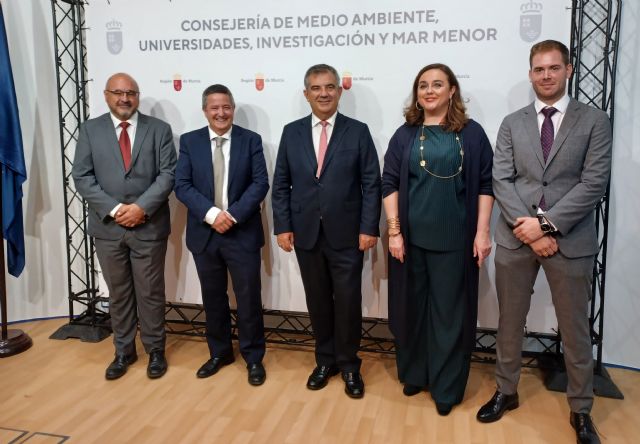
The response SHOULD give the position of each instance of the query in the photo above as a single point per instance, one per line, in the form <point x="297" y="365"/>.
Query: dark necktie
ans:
<point x="125" y="145"/>
<point x="546" y="140"/>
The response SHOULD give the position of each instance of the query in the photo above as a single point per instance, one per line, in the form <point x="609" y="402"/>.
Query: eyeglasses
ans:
<point x="129" y="94"/>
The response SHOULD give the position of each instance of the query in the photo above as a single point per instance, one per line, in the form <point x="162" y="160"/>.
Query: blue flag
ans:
<point x="14" y="172"/>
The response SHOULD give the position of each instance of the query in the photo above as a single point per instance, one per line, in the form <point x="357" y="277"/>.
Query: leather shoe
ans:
<point x="157" y="364"/>
<point x="212" y="366"/>
<point x="443" y="408"/>
<point x="353" y="384"/>
<point x="257" y="374"/>
<point x="585" y="430"/>
<point x="320" y="376"/>
<point x="497" y="406"/>
<point x="411" y="390"/>
<point x="119" y="366"/>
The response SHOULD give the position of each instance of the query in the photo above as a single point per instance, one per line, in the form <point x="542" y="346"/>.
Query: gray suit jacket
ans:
<point x="100" y="178"/>
<point x="573" y="179"/>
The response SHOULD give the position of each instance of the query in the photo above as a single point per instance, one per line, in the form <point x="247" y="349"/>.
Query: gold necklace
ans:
<point x="423" y="163"/>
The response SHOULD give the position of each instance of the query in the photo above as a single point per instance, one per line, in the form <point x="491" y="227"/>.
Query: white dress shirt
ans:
<point x="561" y="105"/>
<point x="213" y="212"/>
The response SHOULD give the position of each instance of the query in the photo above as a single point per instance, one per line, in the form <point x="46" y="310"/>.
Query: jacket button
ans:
<point x="544" y="184"/>
<point x="534" y="206"/>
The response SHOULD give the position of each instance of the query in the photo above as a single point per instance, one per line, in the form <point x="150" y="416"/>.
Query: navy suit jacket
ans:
<point x="347" y="194"/>
<point x="248" y="184"/>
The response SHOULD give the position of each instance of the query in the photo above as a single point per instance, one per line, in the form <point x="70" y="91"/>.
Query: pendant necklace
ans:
<point x="423" y="163"/>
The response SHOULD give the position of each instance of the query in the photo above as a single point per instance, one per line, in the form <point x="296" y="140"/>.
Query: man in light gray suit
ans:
<point x="124" y="168"/>
<point x="550" y="169"/>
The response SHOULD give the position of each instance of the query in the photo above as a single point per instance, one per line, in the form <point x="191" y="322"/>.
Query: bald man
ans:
<point x="124" y="168"/>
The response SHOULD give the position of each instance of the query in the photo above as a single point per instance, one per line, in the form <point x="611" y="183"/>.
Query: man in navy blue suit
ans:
<point x="222" y="179"/>
<point x="326" y="206"/>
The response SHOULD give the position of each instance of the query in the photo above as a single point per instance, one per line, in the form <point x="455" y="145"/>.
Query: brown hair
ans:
<point x="550" y="45"/>
<point x="456" y="117"/>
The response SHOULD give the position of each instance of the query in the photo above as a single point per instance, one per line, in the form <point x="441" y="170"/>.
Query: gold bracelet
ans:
<point x="394" y="234"/>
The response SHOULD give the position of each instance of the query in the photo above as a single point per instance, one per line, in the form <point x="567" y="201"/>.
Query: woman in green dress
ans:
<point x="438" y="200"/>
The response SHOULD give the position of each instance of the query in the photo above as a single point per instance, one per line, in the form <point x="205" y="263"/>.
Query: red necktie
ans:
<point x="125" y="145"/>
<point x="322" y="151"/>
<point x="546" y="140"/>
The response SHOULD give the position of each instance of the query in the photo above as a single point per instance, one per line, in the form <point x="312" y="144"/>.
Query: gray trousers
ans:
<point x="134" y="272"/>
<point x="570" y="284"/>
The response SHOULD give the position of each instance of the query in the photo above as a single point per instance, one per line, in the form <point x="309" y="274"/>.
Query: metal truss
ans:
<point x="92" y="323"/>
<point x="594" y="44"/>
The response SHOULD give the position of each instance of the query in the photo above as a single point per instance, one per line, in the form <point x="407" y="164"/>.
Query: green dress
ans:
<point x="434" y="357"/>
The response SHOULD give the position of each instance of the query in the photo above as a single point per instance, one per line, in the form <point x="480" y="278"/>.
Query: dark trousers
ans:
<point x="134" y="272"/>
<point x="244" y="267"/>
<point x="435" y="356"/>
<point x="332" y="282"/>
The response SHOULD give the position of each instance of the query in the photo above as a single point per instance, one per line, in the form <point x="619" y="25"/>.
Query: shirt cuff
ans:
<point x="115" y="210"/>
<point x="211" y="215"/>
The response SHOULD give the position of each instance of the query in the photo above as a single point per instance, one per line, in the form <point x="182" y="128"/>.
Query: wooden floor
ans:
<point x="56" y="392"/>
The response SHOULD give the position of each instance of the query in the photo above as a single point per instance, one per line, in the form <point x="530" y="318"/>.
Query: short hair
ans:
<point x="549" y="45"/>
<point x="456" y="117"/>
<point x="216" y="89"/>
<point x="319" y="69"/>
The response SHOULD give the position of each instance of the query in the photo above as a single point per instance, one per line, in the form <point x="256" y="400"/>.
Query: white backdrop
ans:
<point x="185" y="45"/>
<point x="41" y="291"/>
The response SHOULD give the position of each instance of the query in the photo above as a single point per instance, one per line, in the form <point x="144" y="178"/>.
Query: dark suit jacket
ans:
<point x="248" y="184"/>
<point x="573" y="179"/>
<point x="99" y="175"/>
<point x="347" y="194"/>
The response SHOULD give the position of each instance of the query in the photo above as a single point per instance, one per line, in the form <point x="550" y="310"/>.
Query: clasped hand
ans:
<point x="129" y="215"/>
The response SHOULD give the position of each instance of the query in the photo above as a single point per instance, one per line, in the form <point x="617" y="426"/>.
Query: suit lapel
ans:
<point x="141" y="133"/>
<point x="306" y="137"/>
<point x="568" y="122"/>
<point x="203" y="157"/>
<point x="341" y="125"/>
<point x="111" y="140"/>
<point x="235" y="148"/>
<point x="530" y="118"/>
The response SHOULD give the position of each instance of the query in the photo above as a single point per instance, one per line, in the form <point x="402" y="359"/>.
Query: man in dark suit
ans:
<point x="326" y="204"/>
<point x="550" y="169"/>
<point x="222" y="180"/>
<point x="124" y="168"/>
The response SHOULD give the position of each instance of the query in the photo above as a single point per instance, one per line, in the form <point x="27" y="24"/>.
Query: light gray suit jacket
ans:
<point x="573" y="180"/>
<point x="100" y="178"/>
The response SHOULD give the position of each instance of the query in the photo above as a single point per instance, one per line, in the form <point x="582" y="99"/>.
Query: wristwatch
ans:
<point x="545" y="226"/>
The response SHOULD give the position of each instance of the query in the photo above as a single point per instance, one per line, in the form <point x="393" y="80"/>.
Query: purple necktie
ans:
<point x="546" y="139"/>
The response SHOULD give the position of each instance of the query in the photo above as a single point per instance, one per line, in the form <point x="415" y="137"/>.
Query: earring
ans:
<point x="422" y="109"/>
<point x="449" y="102"/>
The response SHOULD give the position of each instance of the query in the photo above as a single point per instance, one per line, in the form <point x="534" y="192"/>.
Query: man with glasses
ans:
<point x="124" y="168"/>
<point x="326" y="205"/>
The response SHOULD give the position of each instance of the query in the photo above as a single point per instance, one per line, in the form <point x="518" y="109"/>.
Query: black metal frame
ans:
<point x="594" y="44"/>
<point x="92" y="323"/>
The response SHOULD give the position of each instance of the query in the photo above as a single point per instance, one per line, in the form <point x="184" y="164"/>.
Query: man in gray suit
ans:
<point x="124" y="168"/>
<point x="550" y="169"/>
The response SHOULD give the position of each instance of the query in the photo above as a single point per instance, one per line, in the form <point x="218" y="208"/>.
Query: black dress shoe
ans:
<point x="212" y="366"/>
<point x="585" y="430"/>
<point x="443" y="408"/>
<point x="353" y="384"/>
<point x="257" y="374"/>
<point x="320" y="375"/>
<point x="411" y="390"/>
<point x="119" y="366"/>
<point x="495" y="408"/>
<point x="157" y="364"/>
